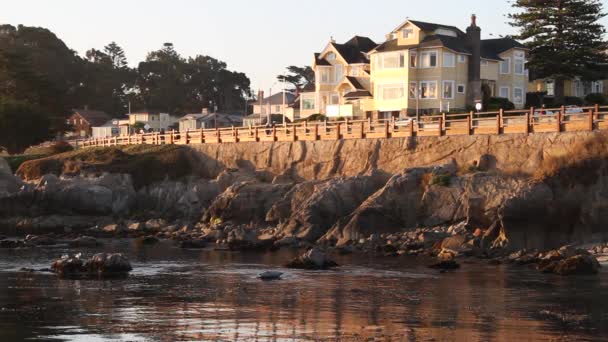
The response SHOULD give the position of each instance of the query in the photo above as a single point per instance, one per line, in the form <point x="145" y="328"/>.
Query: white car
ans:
<point x="574" y="110"/>
<point x="403" y="122"/>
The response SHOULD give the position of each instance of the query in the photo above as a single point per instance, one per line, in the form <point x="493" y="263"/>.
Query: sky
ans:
<point x="259" y="38"/>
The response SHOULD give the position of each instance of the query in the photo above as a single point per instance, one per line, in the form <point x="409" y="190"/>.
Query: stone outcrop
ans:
<point x="315" y="206"/>
<point x="100" y="265"/>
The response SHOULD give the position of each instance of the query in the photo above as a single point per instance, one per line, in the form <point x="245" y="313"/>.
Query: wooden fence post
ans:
<point x="202" y="138"/>
<point x="338" y="130"/>
<point x="412" y="128"/>
<point x="558" y="121"/>
<point x="596" y="109"/>
<point x="591" y="119"/>
<point x="527" y="123"/>
<point x="274" y="132"/>
<point x="362" y="130"/>
<point x="256" y="133"/>
<point x="386" y="129"/>
<point x="218" y="135"/>
<point x="316" y="131"/>
<point x="470" y="122"/>
<point x="441" y="123"/>
<point x="293" y="132"/>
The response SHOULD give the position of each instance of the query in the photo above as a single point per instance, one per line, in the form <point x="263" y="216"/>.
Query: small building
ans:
<point x="82" y="121"/>
<point x="274" y="104"/>
<point x="154" y="121"/>
<point x="209" y="121"/>
<point x="112" y="128"/>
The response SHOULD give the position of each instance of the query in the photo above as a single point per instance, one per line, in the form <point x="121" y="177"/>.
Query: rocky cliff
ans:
<point x="538" y="191"/>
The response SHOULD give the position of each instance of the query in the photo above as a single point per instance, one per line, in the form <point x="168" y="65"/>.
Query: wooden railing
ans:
<point x="502" y="122"/>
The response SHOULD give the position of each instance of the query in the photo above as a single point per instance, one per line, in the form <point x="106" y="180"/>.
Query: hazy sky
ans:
<point x="259" y="38"/>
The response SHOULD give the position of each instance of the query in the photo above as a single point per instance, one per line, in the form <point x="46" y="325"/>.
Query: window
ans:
<point x="518" y="95"/>
<point x="484" y="62"/>
<point x="449" y="60"/>
<point x="448" y="90"/>
<point x="504" y="92"/>
<point x="461" y="89"/>
<point x="462" y="59"/>
<point x="392" y="60"/>
<point x="413" y="91"/>
<point x="407" y="32"/>
<point x="331" y="56"/>
<point x="413" y="59"/>
<point x="446" y="32"/>
<point x="505" y="66"/>
<point x="324" y="75"/>
<point x="308" y="104"/>
<point x="391" y="92"/>
<point x="335" y="99"/>
<point x="339" y="74"/>
<point x="428" y="59"/>
<point x="277" y="109"/>
<point x="428" y="90"/>
<point x="355" y="71"/>
<point x="550" y="87"/>
<point x="597" y="87"/>
<point x="519" y="63"/>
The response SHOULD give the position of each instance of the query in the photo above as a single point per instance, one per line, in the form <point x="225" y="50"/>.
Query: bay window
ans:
<point x="518" y="95"/>
<point x="428" y="90"/>
<point x="428" y="59"/>
<point x="519" y="63"/>
<point x="505" y="66"/>
<point x="449" y="60"/>
<point x="391" y="60"/>
<point x="413" y="91"/>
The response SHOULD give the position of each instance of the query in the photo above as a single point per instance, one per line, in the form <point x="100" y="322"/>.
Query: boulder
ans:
<point x="270" y="275"/>
<point x="455" y="243"/>
<point x="108" y="264"/>
<point x="577" y="265"/>
<point x="68" y="265"/>
<point x="315" y="210"/>
<point x="314" y="259"/>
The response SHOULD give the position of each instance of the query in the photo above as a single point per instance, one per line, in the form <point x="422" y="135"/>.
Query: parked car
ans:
<point x="403" y="122"/>
<point x="574" y="110"/>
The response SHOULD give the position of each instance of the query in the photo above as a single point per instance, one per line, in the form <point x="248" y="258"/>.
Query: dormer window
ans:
<point x="446" y="32"/>
<point x="407" y="32"/>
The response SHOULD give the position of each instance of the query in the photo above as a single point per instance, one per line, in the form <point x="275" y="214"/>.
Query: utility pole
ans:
<point x="283" y="110"/>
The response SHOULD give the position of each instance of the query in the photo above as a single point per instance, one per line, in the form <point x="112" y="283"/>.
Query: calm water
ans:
<point x="178" y="295"/>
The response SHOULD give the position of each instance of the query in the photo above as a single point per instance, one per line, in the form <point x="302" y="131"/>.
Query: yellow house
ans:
<point x="420" y="68"/>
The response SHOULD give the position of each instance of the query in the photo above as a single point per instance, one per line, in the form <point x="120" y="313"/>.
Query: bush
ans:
<point x="595" y="98"/>
<point x="315" y="117"/>
<point x="573" y="101"/>
<point x="496" y="103"/>
<point x="441" y="179"/>
<point x="535" y="99"/>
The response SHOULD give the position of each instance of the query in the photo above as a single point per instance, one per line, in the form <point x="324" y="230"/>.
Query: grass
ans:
<point x="581" y="162"/>
<point x="146" y="164"/>
<point x="441" y="179"/>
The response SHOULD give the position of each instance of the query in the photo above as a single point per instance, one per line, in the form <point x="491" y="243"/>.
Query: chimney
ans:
<point x="389" y="36"/>
<point x="473" y="43"/>
<point x="205" y="111"/>
<point x="332" y="40"/>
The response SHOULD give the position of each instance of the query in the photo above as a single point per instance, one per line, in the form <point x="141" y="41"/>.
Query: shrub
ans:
<point x="573" y="101"/>
<point x="441" y="179"/>
<point x="595" y="98"/>
<point x="497" y="103"/>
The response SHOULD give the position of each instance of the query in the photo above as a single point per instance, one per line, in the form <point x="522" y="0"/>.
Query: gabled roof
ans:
<point x="357" y="94"/>
<point x="492" y="48"/>
<point x="437" y="40"/>
<point x="93" y="117"/>
<point x="355" y="50"/>
<point x="355" y="82"/>
<point x="363" y="43"/>
<point x="277" y="99"/>
<point x="321" y="61"/>
<point x="425" y="26"/>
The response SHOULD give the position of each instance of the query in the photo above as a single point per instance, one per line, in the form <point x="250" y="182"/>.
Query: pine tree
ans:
<point x="116" y="55"/>
<point x="565" y="38"/>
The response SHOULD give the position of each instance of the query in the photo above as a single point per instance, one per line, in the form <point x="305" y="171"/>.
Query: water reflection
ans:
<point x="179" y="295"/>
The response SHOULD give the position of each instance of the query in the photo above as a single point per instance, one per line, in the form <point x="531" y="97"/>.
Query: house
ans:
<point x="82" y="121"/>
<point x="153" y="120"/>
<point x="112" y="128"/>
<point x="575" y="87"/>
<point x="275" y="104"/>
<point x="420" y="68"/>
<point x="209" y="121"/>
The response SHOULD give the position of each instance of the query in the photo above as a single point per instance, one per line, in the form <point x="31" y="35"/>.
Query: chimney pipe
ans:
<point x="473" y="43"/>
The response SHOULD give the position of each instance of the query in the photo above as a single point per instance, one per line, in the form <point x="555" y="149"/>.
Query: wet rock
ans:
<point x="100" y="265"/>
<point x="577" y="265"/>
<point x="454" y="243"/>
<point x="193" y="244"/>
<point x="447" y="255"/>
<point x="106" y="264"/>
<point x="36" y="240"/>
<point x="114" y="229"/>
<point x="155" y="225"/>
<point x="270" y="275"/>
<point x="11" y="244"/>
<point x="445" y="265"/>
<point x="314" y="259"/>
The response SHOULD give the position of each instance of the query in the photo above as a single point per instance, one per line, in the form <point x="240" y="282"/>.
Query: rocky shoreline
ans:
<point x="448" y="211"/>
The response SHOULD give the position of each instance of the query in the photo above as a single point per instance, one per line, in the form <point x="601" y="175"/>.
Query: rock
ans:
<point x="314" y="259"/>
<point x="136" y="227"/>
<point x="454" y="243"/>
<point x="106" y="264"/>
<point x="446" y="255"/>
<point x="430" y="238"/>
<point x="155" y="224"/>
<point x="100" y="265"/>
<point x="11" y="244"/>
<point x="445" y="265"/>
<point x="40" y="240"/>
<point x="270" y="275"/>
<point x="193" y="244"/>
<point x="577" y="265"/>
<point x="114" y="229"/>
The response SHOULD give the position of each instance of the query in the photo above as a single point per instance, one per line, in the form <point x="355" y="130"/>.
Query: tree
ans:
<point x="565" y="38"/>
<point x="22" y="125"/>
<point x="299" y="77"/>
<point x="116" y="55"/>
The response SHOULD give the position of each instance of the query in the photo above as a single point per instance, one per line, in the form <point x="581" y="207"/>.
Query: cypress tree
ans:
<point x="565" y="39"/>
